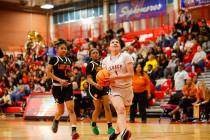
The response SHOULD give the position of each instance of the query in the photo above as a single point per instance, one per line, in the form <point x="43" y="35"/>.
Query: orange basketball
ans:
<point x="101" y="76"/>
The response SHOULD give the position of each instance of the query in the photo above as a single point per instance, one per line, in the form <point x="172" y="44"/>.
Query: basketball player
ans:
<point x="59" y="70"/>
<point x="98" y="93"/>
<point x="120" y="66"/>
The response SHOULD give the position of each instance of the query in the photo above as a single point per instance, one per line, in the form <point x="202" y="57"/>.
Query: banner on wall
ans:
<point x="193" y="3"/>
<point x="138" y="9"/>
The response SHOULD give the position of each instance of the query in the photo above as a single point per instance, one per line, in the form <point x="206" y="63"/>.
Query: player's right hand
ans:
<point x="64" y="82"/>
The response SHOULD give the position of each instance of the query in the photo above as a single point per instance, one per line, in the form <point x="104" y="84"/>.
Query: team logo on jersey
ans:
<point x="64" y="67"/>
<point x="115" y="67"/>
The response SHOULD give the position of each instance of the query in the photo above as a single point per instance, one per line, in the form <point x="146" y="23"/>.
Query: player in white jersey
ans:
<point x="120" y="66"/>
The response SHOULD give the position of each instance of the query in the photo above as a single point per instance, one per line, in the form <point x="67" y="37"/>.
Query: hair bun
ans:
<point x="60" y="41"/>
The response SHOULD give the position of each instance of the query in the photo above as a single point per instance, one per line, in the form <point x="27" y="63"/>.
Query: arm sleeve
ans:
<point x="53" y="60"/>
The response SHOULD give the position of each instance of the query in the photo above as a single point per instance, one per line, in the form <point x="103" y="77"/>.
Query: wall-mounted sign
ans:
<point x="138" y="9"/>
<point x="193" y="3"/>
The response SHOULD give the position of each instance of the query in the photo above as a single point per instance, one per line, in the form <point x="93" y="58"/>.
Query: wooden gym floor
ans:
<point x="18" y="129"/>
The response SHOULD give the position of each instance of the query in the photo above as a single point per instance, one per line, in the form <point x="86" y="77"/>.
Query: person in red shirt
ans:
<point x="188" y="58"/>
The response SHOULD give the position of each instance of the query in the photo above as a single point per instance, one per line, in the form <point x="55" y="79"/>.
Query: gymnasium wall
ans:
<point x="202" y="12"/>
<point x="15" y="25"/>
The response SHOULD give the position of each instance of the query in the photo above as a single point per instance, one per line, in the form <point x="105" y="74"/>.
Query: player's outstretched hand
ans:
<point x="110" y="79"/>
<point x="64" y="83"/>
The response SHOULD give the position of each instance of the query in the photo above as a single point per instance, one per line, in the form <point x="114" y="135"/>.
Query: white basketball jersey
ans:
<point x="116" y="65"/>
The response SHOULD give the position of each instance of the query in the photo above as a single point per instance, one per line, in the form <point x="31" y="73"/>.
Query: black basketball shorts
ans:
<point x="62" y="94"/>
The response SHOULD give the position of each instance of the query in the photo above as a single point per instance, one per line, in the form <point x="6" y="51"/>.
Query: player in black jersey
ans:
<point x="59" y="70"/>
<point x="99" y="94"/>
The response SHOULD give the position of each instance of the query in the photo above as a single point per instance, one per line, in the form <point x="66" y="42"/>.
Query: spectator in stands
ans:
<point x="1" y="53"/>
<point x="141" y="89"/>
<point x="152" y="74"/>
<point x="51" y="51"/>
<point x="182" y="17"/>
<point x="199" y="59"/>
<point x="151" y="61"/>
<point x="109" y="36"/>
<point x="175" y="34"/>
<point x="87" y="104"/>
<point x="194" y="29"/>
<point x="120" y="33"/>
<point x="83" y="54"/>
<point x="179" y="53"/>
<point x="179" y="44"/>
<point x="140" y="59"/>
<point x="5" y="100"/>
<point x="204" y="29"/>
<point x="204" y="101"/>
<point x="170" y="68"/>
<point x="163" y="41"/>
<point x="135" y="43"/>
<point x="77" y="75"/>
<point x="163" y="63"/>
<point x="188" y="58"/>
<point x="2" y="66"/>
<point x="206" y="44"/>
<point x="190" y="97"/>
<point x="158" y="50"/>
<point x="189" y="43"/>
<point x="86" y="44"/>
<point x="18" y="93"/>
<point x="179" y="81"/>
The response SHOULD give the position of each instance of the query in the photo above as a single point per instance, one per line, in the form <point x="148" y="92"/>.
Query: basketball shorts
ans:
<point x="62" y="94"/>
<point x="126" y="94"/>
<point x="96" y="93"/>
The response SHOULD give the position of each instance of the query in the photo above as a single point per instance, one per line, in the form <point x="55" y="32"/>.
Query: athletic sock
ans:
<point x="74" y="128"/>
<point x="93" y="124"/>
<point x="109" y="124"/>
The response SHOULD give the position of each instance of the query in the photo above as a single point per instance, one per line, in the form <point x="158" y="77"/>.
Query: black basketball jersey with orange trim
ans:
<point x="92" y="68"/>
<point x="61" y="67"/>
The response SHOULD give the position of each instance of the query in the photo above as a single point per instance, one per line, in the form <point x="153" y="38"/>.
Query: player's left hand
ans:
<point x="110" y="79"/>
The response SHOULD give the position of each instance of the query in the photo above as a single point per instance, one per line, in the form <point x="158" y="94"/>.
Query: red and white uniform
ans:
<point x="116" y="65"/>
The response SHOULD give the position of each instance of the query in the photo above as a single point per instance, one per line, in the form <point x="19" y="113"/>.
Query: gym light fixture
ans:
<point x="47" y="5"/>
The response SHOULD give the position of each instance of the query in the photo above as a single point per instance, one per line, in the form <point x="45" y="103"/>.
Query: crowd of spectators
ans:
<point x="169" y="56"/>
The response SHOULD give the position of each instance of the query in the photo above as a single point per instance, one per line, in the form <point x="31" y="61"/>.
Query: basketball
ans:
<point x="101" y="76"/>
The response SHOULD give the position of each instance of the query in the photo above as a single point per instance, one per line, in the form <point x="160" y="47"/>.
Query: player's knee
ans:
<point x="60" y="112"/>
<point x="121" y="110"/>
<point x="70" y="110"/>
